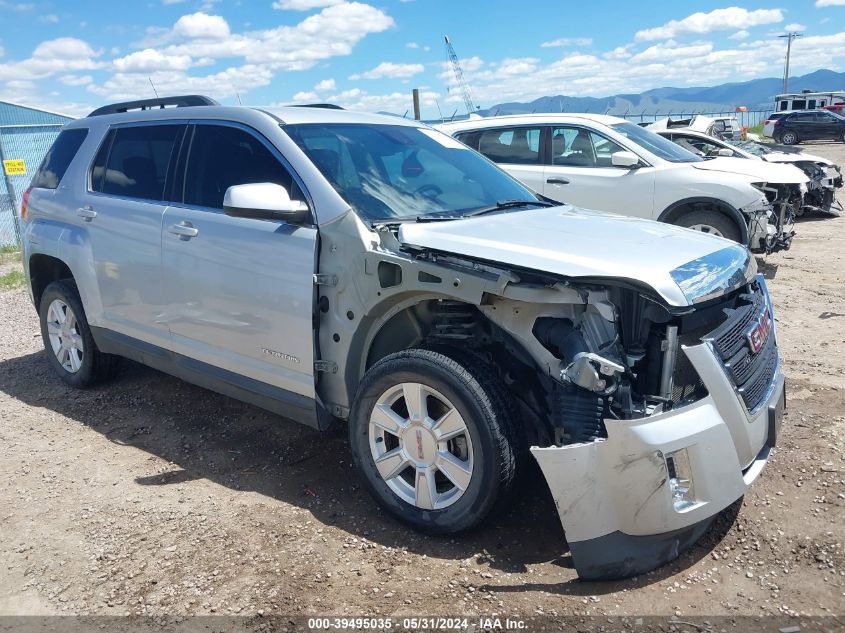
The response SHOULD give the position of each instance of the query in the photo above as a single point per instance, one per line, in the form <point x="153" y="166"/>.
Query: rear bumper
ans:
<point x="614" y="498"/>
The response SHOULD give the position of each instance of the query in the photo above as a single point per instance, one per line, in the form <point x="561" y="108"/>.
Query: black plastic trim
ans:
<point x="182" y="101"/>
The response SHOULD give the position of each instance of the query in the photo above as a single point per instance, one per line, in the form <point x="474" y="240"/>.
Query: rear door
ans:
<point x="518" y="150"/>
<point x="122" y="211"/>
<point x="238" y="292"/>
<point x="580" y="172"/>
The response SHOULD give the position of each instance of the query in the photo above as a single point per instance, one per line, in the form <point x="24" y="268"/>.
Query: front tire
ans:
<point x="711" y="222"/>
<point x="434" y="440"/>
<point x="70" y="347"/>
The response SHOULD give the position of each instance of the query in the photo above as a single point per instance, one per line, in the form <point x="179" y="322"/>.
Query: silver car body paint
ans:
<point x="575" y="243"/>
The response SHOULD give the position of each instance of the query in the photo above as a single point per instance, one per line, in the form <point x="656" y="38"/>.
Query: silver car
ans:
<point x="339" y="267"/>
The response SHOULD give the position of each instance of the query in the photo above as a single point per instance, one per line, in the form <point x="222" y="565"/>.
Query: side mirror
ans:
<point x="626" y="160"/>
<point x="724" y="152"/>
<point x="264" y="201"/>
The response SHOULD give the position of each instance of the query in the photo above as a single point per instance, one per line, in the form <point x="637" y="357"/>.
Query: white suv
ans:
<point x="610" y="164"/>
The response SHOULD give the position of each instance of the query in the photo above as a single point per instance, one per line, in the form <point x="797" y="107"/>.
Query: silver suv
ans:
<point x="333" y="266"/>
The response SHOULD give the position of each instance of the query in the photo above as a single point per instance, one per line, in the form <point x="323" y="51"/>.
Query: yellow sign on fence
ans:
<point x="14" y="167"/>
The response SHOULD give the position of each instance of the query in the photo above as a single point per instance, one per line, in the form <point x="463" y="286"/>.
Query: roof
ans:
<point x="19" y="114"/>
<point x="534" y="118"/>
<point x="283" y="114"/>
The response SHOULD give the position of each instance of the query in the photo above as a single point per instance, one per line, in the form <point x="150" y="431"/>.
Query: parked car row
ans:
<point x="610" y="164"/>
<point x="795" y="126"/>
<point x="338" y="267"/>
<point x="824" y="176"/>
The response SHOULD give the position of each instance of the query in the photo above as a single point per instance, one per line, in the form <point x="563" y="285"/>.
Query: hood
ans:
<point x="760" y="170"/>
<point x="680" y="265"/>
<point x="783" y="157"/>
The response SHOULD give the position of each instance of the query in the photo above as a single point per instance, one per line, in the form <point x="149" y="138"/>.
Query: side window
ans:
<point x="520" y="146"/>
<point x="470" y="139"/>
<point x="58" y="159"/>
<point x="604" y="148"/>
<point x="698" y="145"/>
<point x="139" y="160"/>
<point x="221" y="157"/>
<point x="98" y="169"/>
<point x="577" y="147"/>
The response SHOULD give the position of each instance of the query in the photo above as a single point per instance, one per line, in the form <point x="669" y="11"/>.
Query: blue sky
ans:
<point x="71" y="57"/>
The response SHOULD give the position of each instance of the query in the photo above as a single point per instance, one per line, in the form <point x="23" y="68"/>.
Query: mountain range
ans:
<point x="756" y="94"/>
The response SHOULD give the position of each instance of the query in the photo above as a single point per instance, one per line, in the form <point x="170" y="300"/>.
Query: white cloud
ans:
<point x="150" y="60"/>
<point x="51" y="57"/>
<point x="669" y="50"/>
<point x="412" y="45"/>
<point x="325" y="85"/>
<point x="303" y="5"/>
<point x="172" y="1"/>
<point x="830" y="3"/>
<point x="389" y="70"/>
<point x="620" y="52"/>
<point x="794" y="26"/>
<point x="49" y="17"/>
<point x="76" y="80"/>
<point x="16" y="6"/>
<point x="201" y="26"/>
<point x="305" y="97"/>
<point x="739" y="35"/>
<point x="568" y="41"/>
<point x="717" y="20"/>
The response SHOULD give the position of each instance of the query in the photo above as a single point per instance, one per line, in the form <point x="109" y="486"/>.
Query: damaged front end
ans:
<point x="662" y="418"/>
<point x="821" y="190"/>
<point x="771" y="221"/>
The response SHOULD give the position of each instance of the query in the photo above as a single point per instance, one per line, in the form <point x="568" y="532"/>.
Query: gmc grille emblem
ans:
<point x="759" y="331"/>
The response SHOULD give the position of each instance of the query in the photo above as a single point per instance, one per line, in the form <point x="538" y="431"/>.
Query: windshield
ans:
<point x="398" y="172"/>
<point x="656" y="144"/>
<point x="752" y="147"/>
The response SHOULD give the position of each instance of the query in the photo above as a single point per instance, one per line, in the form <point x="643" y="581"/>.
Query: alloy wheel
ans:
<point x="706" y="228"/>
<point x="65" y="337"/>
<point x="421" y="446"/>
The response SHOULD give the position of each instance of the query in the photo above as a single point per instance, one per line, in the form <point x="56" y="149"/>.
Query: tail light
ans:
<point x="777" y="122"/>
<point x="24" y="200"/>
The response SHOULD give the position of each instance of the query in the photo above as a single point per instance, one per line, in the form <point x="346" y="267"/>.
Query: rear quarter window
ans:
<point x="58" y="158"/>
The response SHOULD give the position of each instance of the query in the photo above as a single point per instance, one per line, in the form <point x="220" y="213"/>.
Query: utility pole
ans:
<point x="789" y="37"/>
<point x="415" y="95"/>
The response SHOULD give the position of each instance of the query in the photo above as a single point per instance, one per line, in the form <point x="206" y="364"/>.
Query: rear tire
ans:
<point x="711" y="222"/>
<point x="71" y="350"/>
<point x="789" y="138"/>
<point x="472" y="473"/>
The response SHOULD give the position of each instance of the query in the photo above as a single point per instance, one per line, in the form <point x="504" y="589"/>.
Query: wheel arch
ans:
<point x="678" y="208"/>
<point x="43" y="270"/>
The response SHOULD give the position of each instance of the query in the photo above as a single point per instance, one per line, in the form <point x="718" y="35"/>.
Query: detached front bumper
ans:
<point x="615" y="498"/>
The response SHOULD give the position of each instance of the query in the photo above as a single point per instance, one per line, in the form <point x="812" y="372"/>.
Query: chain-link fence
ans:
<point x="22" y="148"/>
<point x="749" y="118"/>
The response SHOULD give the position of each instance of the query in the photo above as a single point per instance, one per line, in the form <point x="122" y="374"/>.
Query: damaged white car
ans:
<point x="610" y="164"/>
<point x="824" y="177"/>
<point x="372" y="270"/>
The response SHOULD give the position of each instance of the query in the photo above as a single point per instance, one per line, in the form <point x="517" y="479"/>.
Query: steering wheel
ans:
<point x="432" y="189"/>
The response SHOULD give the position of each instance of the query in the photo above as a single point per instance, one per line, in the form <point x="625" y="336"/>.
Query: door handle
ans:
<point x="184" y="230"/>
<point x="86" y="212"/>
<point x="557" y="181"/>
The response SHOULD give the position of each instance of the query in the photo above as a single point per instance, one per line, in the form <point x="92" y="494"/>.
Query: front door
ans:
<point x="239" y="292"/>
<point x="581" y="173"/>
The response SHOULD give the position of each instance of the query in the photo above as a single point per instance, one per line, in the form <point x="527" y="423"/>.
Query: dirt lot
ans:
<point x="150" y="496"/>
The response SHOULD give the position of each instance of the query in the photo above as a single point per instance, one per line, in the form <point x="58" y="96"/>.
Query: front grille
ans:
<point x="686" y="384"/>
<point x="750" y="372"/>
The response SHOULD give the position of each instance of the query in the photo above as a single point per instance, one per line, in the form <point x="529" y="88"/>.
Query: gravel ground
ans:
<point x="149" y="496"/>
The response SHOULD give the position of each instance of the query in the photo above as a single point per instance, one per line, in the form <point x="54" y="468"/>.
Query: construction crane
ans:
<point x="459" y="76"/>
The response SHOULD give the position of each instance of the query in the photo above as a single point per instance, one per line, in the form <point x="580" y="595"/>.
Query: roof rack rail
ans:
<point x="327" y="106"/>
<point x="148" y="104"/>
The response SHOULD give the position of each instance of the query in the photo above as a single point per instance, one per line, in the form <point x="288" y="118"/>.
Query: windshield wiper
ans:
<point x="507" y="204"/>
